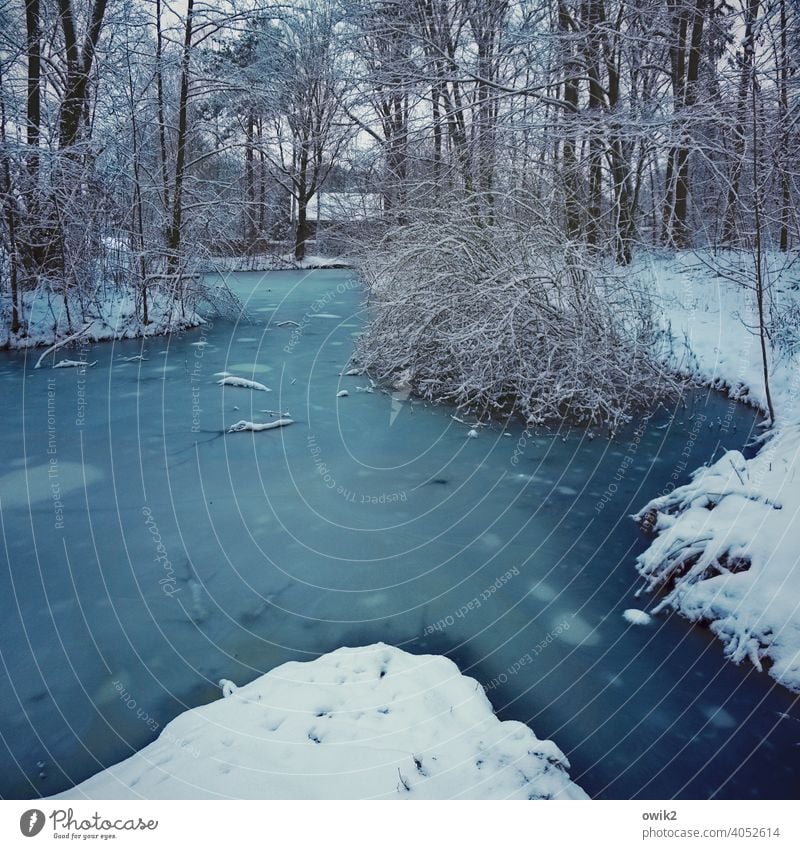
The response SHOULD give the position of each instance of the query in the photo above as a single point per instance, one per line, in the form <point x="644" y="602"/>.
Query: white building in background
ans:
<point x="341" y="208"/>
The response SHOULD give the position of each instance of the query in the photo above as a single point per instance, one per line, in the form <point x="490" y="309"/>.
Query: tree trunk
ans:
<point x="593" y="18"/>
<point x="680" y="234"/>
<point x="729" y="226"/>
<point x="250" y="210"/>
<point x="677" y="56"/>
<point x="759" y="249"/>
<point x="783" y="111"/>
<point x="437" y="139"/>
<point x="301" y="230"/>
<point x="162" y="131"/>
<point x="568" y="155"/>
<point x="79" y="68"/>
<point x="9" y="209"/>
<point x="174" y="236"/>
<point x="33" y="111"/>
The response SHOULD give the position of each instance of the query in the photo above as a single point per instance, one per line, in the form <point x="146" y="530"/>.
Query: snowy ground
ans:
<point x="371" y="722"/>
<point x="274" y="262"/>
<point x="727" y="542"/>
<point x="110" y="316"/>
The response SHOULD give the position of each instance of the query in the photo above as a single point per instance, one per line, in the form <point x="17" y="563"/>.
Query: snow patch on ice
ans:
<point x="636" y="617"/>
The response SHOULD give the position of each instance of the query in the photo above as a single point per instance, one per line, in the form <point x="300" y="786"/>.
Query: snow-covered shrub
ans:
<point x="500" y="320"/>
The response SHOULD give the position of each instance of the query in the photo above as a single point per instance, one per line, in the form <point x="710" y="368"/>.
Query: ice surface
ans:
<point x="291" y="568"/>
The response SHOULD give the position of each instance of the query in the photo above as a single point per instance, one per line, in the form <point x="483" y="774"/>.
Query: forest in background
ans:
<point x="533" y="141"/>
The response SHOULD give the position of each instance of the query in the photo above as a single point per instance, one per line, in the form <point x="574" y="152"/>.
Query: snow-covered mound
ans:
<point x="372" y="722"/>
<point x="727" y="542"/>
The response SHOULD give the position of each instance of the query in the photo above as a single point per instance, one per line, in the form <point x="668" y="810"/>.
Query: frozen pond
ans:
<point x="146" y="555"/>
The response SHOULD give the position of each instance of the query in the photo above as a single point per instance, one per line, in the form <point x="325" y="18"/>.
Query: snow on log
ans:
<point x="243" y="383"/>
<point x="63" y="342"/>
<point x="74" y="364"/>
<point x="255" y="427"/>
<point x="358" y="723"/>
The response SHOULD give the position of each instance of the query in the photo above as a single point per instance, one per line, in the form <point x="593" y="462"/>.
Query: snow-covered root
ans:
<point x="726" y="553"/>
<point x="368" y="722"/>
<point x="243" y="383"/>
<point x="255" y="427"/>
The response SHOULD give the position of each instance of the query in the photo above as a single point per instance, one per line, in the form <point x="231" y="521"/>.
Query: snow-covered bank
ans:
<point x="111" y="315"/>
<point x="276" y="262"/>
<point x="372" y="722"/>
<point x="727" y="542"/>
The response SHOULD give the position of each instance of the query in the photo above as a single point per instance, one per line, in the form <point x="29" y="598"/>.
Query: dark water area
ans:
<point x="146" y="555"/>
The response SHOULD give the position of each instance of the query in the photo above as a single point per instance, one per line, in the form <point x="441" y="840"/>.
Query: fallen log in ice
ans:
<point x="74" y="364"/>
<point x="255" y="427"/>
